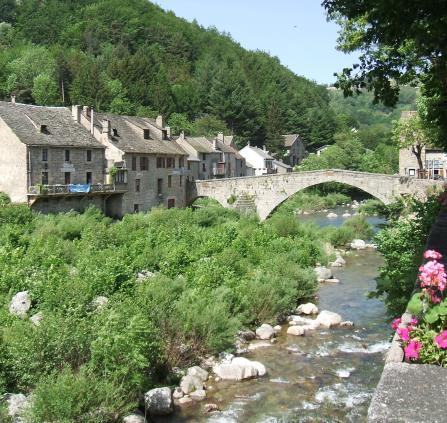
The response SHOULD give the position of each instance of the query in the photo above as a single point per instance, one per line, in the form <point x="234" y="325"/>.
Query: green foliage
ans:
<point x="313" y="200"/>
<point x="396" y="49"/>
<point x="134" y="58"/>
<point x="4" y="199"/>
<point x="401" y="244"/>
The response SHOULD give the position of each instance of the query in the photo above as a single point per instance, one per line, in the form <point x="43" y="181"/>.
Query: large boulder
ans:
<point x="158" y="401"/>
<point x="296" y="330"/>
<point x="323" y="273"/>
<point x="246" y="335"/>
<point x="198" y="395"/>
<point x="358" y="244"/>
<point x="265" y="331"/>
<point x="328" y="319"/>
<point x="190" y="384"/>
<point x="308" y="308"/>
<point x="17" y="405"/>
<point x="199" y="372"/>
<point x="240" y="368"/>
<point x="339" y="262"/>
<point x="20" y="304"/>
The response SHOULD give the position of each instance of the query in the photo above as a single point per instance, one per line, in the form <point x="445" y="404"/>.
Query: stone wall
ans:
<point x="13" y="165"/>
<point x="56" y="166"/>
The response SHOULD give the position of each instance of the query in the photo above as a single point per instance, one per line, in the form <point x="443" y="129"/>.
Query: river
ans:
<point x="327" y="376"/>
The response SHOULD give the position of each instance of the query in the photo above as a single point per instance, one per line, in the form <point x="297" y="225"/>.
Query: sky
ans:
<point x="296" y="31"/>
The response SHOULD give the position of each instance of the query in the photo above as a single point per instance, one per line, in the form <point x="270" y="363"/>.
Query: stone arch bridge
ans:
<point x="265" y="193"/>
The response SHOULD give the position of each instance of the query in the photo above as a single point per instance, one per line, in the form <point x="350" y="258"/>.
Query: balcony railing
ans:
<point x="71" y="189"/>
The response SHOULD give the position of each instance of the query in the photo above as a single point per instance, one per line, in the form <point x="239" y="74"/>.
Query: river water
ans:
<point x="326" y="376"/>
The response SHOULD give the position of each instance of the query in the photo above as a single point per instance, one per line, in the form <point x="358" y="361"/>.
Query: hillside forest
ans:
<point x="134" y="58"/>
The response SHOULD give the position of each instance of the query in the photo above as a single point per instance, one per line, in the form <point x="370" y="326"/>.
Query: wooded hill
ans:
<point x="132" y="57"/>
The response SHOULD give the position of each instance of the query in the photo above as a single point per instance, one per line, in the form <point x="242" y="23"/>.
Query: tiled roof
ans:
<point x="289" y="139"/>
<point x="58" y="127"/>
<point x="200" y="144"/>
<point x="226" y="148"/>
<point x="281" y="164"/>
<point x="264" y="154"/>
<point x="130" y="135"/>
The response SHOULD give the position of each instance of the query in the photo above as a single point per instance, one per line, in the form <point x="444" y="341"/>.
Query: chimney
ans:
<point x="106" y="126"/>
<point x="220" y="136"/>
<point x="264" y="148"/>
<point x="215" y="144"/>
<point x="92" y="128"/>
<point x="86" y="111"/>
<point x="168" y="131"/>
<point x="160" y="121"/>
<point x="182" y="136"/>
<point x="76" y="113"/>
<point x="13" y="99"/>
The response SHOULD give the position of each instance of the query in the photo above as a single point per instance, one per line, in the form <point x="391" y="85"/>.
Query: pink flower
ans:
<point x="441" y="340"/>
<point x="434" y="298"/>
<point x="404" y="334"/>
<point x="432" y="254"/>
<point x="412" y="350"/>
<point x="396" y="323"/>
<point x="432" y="274"/>
<point x="412" y="323"/>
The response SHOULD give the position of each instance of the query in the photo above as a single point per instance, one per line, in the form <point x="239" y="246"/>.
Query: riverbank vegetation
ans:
<point x="401" y="243"/>
<point x="121" y="303"/>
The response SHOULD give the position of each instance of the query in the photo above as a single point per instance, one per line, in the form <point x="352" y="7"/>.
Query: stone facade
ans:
<point x="434" y="163"/>
<point x="269" y="191"/>
<point x="295" y="150"/>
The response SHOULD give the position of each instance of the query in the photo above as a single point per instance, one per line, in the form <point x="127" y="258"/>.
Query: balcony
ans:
<point x="74" y="189"/>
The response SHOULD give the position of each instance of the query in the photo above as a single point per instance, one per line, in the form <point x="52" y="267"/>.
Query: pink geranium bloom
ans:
<point x="441" y="340"/>
<point x="412" y="323"/>
<point x="432" y="274"/>
<point x="412" y="350"/>
<point x="404" y="333"/>
<point x="396" y="323"/>
<point x="432" y="254"/>
<point x="434" y="298"/>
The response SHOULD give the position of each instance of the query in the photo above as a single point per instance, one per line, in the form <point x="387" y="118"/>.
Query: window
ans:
<point x="411" y="172"/>
<point x="164" y="134"/>
<point x="67" y="155"/>
<point x="115" y="132"/>
<point x="159" y="186"/>
<point x="170" y="162"/>
<point x="189" y="165"/>
<point x="181" y="180"/>
<point x="136" y="208"/>
<point x="89" y="155"/>
<point x="67" y="178"/>
<point x="144" y="163"/>
<point x="146" y="134"/>
<point x="203" y="156"/>
<point x="203" y="167"/>
<point x="169" y="181"/>
<point x="181" y="162"/>
<point x="89" y="178"/>
<point x="44" y="178"/>
<point x="121" y="177"/>
<point x="137" y="185"/>
<point x="171" y="203"/>
<point x="161" y="162"/>
<point x="44" y="154"/>
<point x="134" y="162"/>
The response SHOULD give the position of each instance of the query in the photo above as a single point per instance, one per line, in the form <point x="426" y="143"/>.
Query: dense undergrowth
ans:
<point x="214" y="271"/>
<point x="401" y="244"/>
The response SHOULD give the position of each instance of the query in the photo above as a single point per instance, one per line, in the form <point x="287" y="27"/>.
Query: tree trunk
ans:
<point x="417" y="151"/>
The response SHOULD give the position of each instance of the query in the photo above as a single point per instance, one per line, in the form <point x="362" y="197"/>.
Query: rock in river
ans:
<point x="358" y="244"/>
<point x="265" y="331"/>
<point x="307" y="308"/>
<point x="158" y="401"/>
<point x="323" y="273"/>
<point x="240" y="368"/>
<point x="296" y="330"/>
<point x="199" y="372"/>
<point x="190" y="384"/>
<point x="328" y="319"/>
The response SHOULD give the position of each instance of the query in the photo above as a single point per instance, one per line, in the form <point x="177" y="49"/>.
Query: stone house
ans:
<point x="295" y="150"/>
<point x="434" y="163"/>
<point x="258" y="161"/>
<point x="50" y="162"/>
<point x="281" y="167"/>
<point x="215" y="158"/>
<point x="146" y="160"/>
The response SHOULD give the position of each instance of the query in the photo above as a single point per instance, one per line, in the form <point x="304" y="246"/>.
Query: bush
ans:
<point x="4" y="199"/>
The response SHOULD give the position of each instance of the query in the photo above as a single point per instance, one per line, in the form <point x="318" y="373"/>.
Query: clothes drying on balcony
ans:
<point x="79" y="188"/>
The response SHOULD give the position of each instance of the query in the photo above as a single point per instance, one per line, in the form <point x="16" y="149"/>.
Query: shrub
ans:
<point x="4" y="199"/>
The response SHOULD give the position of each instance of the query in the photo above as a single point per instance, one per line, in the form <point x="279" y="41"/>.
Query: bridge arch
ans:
<point x="268" y="211"/>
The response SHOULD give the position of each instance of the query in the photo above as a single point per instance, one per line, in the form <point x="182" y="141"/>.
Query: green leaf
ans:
<point x="415" y="305"/>
<point x="432" y="315"/>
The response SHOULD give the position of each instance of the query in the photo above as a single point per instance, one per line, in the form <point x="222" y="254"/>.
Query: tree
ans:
<point x="401" y="42"/>
<point x="409" y="132"/>
<point x="45" y="91"/>
<point x="178" y="122"/>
